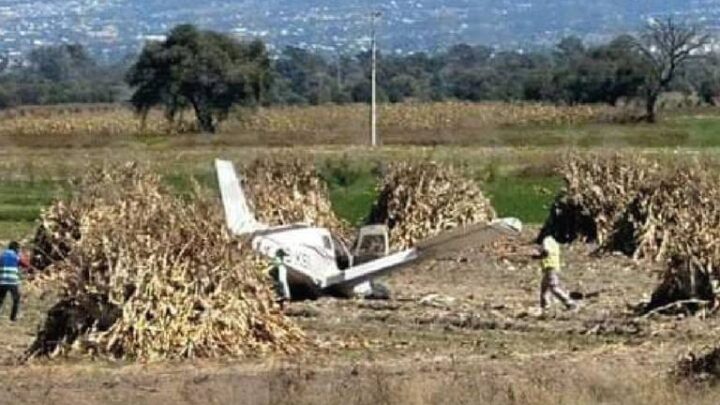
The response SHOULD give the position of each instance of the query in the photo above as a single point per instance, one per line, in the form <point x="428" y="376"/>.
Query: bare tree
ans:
<point x="666" y="46"/>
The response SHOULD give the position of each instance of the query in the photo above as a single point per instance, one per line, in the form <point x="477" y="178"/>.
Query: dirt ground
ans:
<point x="459" y="329"/>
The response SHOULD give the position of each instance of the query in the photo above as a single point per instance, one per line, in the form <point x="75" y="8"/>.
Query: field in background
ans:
<point x="307" y="125"/>
<point x="352" y="178"/>
<point x="451" y="124"/>
<point x="511" y="148"/>
<point x="485" y="344"/>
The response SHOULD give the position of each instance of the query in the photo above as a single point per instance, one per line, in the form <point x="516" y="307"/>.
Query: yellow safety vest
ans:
<point x="552" y="260"/>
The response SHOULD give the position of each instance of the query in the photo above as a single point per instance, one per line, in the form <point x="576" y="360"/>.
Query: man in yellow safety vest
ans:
<point x="550" y="285"/>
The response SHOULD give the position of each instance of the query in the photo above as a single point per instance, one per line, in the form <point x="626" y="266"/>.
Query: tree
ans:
<point x="703" y="78"/>
<point x="207" y="71"/>
<point x="570" y="48"/>
<point x="666" y="47"/>
<point x="598" y="74"/>
<point x="61" y="63"/>
<point x="308" y="75"/>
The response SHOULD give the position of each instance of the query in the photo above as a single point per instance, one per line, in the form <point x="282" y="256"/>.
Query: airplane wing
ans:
<point x="367" y="271"/>
<point x="442" y="245"/>
<point x="240" y="220"/>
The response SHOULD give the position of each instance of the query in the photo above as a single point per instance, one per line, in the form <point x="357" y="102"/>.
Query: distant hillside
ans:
<point x="115" y="27"/>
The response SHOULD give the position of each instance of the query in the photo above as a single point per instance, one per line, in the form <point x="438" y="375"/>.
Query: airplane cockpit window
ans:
<point x="342" y="255"/>
<point x="372" y="245"/>
<point x="327" y="243"/>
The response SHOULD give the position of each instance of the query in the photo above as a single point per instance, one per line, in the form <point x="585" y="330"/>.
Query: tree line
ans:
<point x="61" y="74"/>
<point x="665" y="56"/>
<point x="210" y="72"/>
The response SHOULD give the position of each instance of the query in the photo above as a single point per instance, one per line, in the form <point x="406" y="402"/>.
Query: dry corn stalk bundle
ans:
<point x="60" y="223"/>
<point x="677" y="221"/>
<point x="596" y="194"/>
<point x="417" y="201"/>
<point x="54" y="235"/>
<point x="155" y="277"/>
<point x="680" y="222"/>
<point x="678" y="215"/>
<point x="287" y="191"/>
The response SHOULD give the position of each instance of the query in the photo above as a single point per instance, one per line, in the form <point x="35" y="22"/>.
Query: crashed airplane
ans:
<point x="311" y="261"/>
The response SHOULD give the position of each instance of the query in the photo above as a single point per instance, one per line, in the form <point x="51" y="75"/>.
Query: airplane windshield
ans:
<point x="342" y="254"/>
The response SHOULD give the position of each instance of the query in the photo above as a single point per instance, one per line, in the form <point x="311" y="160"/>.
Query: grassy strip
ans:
<point x="526" y="198"/>
<point x="353" y="190"/>
<point x="354" y="201"/>
<point x="20" y="205"/>
<point x="15" y="230"/>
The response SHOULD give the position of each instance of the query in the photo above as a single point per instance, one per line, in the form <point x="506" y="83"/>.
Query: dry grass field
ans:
<point x="308" y="125"/>
<point x="461" y="329"/>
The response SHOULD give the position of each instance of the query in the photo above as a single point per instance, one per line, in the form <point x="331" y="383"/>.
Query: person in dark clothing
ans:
<point x="10" y="264"/>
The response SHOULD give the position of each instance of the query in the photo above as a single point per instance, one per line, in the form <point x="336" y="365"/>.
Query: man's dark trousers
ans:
<point x="15" y="293"/>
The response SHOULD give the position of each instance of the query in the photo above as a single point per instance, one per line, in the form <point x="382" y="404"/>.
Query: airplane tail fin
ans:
<point x="240" y="220"/>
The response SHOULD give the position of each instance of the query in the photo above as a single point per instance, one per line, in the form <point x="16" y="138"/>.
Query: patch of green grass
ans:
<point x="182" y="183"/>
<point x="353" y="201"/>
<point x="21" y="203"/>
<point x="152" y="141"/>
<point x="25" y="213"/>
<point x="353" y="191"/>
<point x="703" y="130"/>
<point x="14" y="230"/>
<point x="526" y="198"/>
<point x="352" y="186"/>
<point x="673" y="131"/>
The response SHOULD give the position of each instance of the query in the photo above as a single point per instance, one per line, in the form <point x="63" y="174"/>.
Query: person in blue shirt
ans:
<point x="10" y="263"/>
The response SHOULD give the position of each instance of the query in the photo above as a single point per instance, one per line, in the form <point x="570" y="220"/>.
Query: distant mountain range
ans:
<point x="116" y="27"/>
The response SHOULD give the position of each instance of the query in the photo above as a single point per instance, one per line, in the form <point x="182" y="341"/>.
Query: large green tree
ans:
<point x="207" y="71"/>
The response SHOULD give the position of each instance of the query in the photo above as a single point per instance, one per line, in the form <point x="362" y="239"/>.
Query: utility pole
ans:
<point x="373" y="79"/>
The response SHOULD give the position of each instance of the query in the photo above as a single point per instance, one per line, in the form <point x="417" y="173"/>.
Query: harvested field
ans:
<point x="460" y="330"/>
<point x="115" y="120"/>
<point x="418" y="124"/>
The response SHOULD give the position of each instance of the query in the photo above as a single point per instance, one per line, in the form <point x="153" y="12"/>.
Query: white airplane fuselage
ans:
<point x="312" y="255"/>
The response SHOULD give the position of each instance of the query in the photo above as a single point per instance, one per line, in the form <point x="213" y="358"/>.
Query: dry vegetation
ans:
<point x="669" y="215"/>
<point x="418" y="201"/>
<point x="425" y="116"/>
<point x="110" y="121"/>
<point x="145" y="275"/>
<point x="322" y="124"/>
<point x="149" y="276"/>
<point x="289" y="190"/>
<point x="597" y="190"/>
<point x="472" y="311"/>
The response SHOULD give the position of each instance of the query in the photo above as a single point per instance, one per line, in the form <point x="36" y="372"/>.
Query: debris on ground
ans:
<point x="700" y="368"/>
<point x="437" y="300"/>
<point x="420" y="200"/>
<point x="174" y="281"/>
